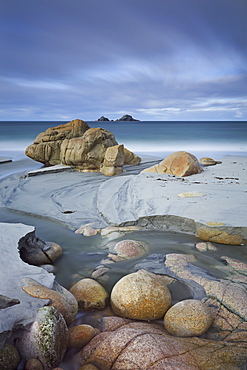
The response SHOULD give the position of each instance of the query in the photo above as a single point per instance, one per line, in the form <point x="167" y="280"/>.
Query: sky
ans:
<point x="160" y="60"/>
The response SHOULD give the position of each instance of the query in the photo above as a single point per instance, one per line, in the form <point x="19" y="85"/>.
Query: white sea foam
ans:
<point x="204" y="149"/>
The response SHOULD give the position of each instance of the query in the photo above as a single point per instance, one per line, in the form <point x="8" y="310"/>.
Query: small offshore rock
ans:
<point x="9" y="357"/>
<point x="80" y="335"/>
<point x="89" y="294"/>
<point x="34" y="364"/>
<point x="102" y="119"/>
<point x="47" y="338"/>
<point x="188" y="318"/>
<point x="205" y="246"/>
<point x="140" y="296"/>
<point x="127" y="117"/>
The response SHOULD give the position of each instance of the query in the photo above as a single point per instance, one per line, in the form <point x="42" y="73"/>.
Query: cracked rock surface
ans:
<point x="138" y="345"/>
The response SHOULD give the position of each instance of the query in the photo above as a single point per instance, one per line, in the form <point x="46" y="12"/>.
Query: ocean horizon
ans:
<point x="158" y="138"/>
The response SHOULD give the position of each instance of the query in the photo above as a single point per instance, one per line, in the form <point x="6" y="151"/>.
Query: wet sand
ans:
<point x="218" y="195"/>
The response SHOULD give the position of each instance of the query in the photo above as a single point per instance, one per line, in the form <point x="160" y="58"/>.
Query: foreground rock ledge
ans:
<point x="18" y="309"/>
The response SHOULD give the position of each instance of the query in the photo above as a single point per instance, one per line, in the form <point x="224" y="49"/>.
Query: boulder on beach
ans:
<point x="46" y="339"/>
<point x="188" y="318"/>
<point x="89" y="294"/>
<point x="178" y="164"/>
<point x="60" y="297"/>
<point x="206" y="161"/>
<point x="76" y="144"/>
<point x="127" y="249"/>
<point x="140" y="295"/>
<point x="46" y="146"/>
<point x="35" y="251"/>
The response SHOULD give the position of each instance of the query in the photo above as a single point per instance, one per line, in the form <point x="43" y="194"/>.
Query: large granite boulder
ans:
<point x="141" y="296"/>
<point x="46" y="146"/>
<point x="139" y="345"/>
<point x="87" y="149"/>
<point x="179" y="164"/>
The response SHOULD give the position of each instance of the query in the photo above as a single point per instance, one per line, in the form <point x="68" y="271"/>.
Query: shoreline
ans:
<point x="214" y="197"/>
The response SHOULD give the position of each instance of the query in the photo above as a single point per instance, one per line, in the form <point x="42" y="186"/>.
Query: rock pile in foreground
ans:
<point x="87" y="149"/>
<point x="206" y="331"/>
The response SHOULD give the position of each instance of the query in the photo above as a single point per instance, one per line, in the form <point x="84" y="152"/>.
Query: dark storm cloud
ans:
<point x="158" y="59"/>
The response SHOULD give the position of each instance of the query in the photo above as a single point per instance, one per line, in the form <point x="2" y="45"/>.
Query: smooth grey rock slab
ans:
<point x="50" y="169"/>
<point x="129" y="198"/>
<point x="17" y="309"/>
<point x="5" y="160"/>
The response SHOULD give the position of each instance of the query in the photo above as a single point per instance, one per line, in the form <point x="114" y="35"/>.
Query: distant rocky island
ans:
<point x="125" y="117"/>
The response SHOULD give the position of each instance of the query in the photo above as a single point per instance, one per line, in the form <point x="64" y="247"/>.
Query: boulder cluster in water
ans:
<point x="139" y="322"/>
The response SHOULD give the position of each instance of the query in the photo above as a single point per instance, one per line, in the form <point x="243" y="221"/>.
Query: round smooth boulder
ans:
<point x="34" y="364"/>
<point x="127" y="249"/>
<point x="80" y="335"/>
<point x="89" y="294"/>
<point x="47" y="338"/>
<point x="188" y="318"/>
<point x="9" y="357"/>
<point x="180" y="163"/>
<point x="140" y="296"/>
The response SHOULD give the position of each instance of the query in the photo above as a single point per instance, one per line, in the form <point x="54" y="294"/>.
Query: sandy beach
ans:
<point x="209" y="205"/>
<point x="215" y="197"/>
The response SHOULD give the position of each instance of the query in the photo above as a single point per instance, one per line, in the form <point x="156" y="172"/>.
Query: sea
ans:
<point x="81" y="254"/>
<point x="159" y="138"/>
